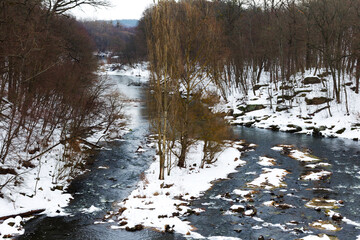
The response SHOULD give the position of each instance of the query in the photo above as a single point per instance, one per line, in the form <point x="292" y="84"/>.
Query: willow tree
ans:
<point x="200" y="51"/>
<point x="162" y="40"/>
<point x="184" y="47"/>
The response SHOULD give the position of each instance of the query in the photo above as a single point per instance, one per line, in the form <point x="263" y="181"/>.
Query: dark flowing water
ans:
<point x="103" y="187"/>
<point x="344" y="155"/>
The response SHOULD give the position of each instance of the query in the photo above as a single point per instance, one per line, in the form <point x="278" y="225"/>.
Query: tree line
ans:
<point x="123" y="42"/>
<point x="48" y="85"/>
<point x="230" y="44"/>
<point x="288" y="37"/>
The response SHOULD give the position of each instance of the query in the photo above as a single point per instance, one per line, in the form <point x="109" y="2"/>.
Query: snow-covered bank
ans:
<point x="160" y="204"/>
<point x="139" y="70"/>
<point x="33" y="182"/>
<point x="301" y="106"/>
<point x="297" y="107"/>
<point x="36" y="188"/>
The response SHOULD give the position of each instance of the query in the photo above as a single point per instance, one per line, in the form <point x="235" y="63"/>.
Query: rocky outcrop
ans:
<point x="312" y="80"/>
<point x="317" y="100"/>
<point x="251" y="107"/>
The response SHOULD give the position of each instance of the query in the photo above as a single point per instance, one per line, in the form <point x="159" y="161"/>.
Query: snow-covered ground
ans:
<point x="158" y="204"/>
<point x="302" y="110"/>
<point x="41" y="186"/>
<point x="293" y="115"/>
<point x="139" y="70"/>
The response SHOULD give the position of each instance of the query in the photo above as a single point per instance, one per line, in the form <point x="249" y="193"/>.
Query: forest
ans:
<point x="50" y="94"/>
<point x="230" y="45"/>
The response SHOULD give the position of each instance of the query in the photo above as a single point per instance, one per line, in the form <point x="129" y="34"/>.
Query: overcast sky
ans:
<point x="121" y="9"/>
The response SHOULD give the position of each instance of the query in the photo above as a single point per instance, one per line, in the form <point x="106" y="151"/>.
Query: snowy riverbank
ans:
<point x="160" y="204"/>
<point x="39" y="186"/>
<point x="305" y="106"/>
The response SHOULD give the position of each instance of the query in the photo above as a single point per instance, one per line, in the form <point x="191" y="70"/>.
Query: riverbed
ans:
<point x="117" y="169"/>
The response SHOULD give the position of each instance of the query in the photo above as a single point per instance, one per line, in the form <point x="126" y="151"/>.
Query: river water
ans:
<point x="102" y="187"/>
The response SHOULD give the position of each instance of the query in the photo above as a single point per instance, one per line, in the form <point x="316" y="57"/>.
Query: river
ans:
<point x="102" y="187"/>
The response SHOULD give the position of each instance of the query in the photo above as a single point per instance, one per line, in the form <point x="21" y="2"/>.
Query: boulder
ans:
<point x="317" y="100"/>
<point x="286" y="97"/>
<point x="251" y="107"/>
<point x="312" y="80"/>
<point x="341" y="131"/>
<point x="274" y="128"/>
<point x="286" y="87"/>
<point x="4" y="171"/>
<point x="294" y="128"/>
<point x="281" y="108"/>
<point x="258" y="86"/>
<point x="137" y="227"/>
<point x="298" y="91"/>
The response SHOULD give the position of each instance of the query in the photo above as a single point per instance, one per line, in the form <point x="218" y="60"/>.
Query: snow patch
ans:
<point x="270" y="178"/>
<point x="302" y="156"/>
<point x="12" y="227"/>
<point x="316" y="175"/>
<point x="91" y="209"/>
<point x="223" y="238"/>
<point x="267" y="161"/>
<point x="153" y="205"/>
<point x="316" y="237"/>
<point x="316" y="165"/>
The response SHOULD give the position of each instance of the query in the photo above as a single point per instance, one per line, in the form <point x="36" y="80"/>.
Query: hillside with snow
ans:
<point x="303" y="105"/>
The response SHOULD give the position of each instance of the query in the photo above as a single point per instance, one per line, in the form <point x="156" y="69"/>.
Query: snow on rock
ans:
<point x="297" y="113"/>
<point x="103" y="167"/>
<point x="316" y="165"/>
<point x="351" y="222"/>
<point x="249" y="212"/>
<point x="140" y="149"/>
<point x="90" y="209"/>
<point x="321" y="203"/>
<point x="267" y="161"/>
<point x="270" y="178"/>
<point x="278" y="205"/>
<point x="316" y="237"/>
<point x="223" y="238"/>
<point x="316" y="175"/>
<point x="281" y="147"/>
<point x="246" y="195"/>
<point x="139" y="70"/>
<point x="158" y="204"/>
<point x="291" y="151"/>
<point x="237" y="208"/>
<point x="11" y="227"/>
<point x="325" y="225"/>
<point x="302" y="156"/>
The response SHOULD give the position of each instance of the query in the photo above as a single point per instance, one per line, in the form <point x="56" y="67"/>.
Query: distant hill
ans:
<point x="127" y="22"/>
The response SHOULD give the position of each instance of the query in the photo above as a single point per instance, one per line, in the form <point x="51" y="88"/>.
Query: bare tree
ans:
<point x="62" y="6"/>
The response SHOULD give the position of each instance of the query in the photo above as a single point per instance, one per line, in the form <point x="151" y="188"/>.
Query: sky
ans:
<point x="120" y="9"/>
